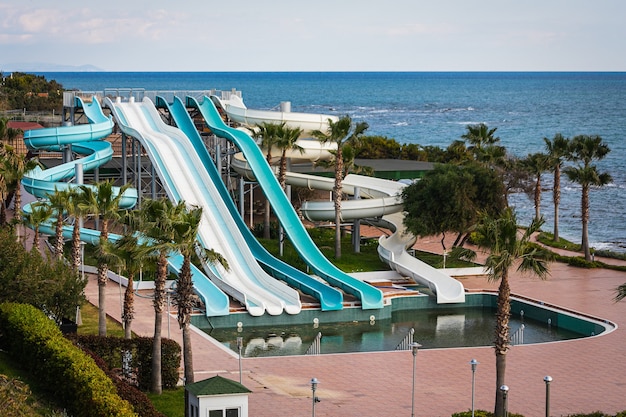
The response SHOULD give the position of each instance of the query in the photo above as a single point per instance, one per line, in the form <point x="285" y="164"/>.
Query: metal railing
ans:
<point x="517" y="338"/>
<point x="407" y="342"/>
<point x="315" y="348"/>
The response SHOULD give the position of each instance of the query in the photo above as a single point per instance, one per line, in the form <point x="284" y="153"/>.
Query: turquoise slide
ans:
<point x="86" y="139"/>
<point x="371" y="297"/>
<point x="329" y="297"/>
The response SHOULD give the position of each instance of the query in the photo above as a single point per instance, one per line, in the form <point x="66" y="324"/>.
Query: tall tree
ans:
<point x="342" y="132"/>
<point x="59" y="201"/>
<point x="536" y="164"/>
<point x="102" y="201"/>
<point x="286" y="140"/>
<point x="155" y="220"/>
<point x="506" y="247"/>
<point x="15" y="166"/>
<point x="583" y="151"/>
<point x="185" y="231"/>
<point x="268" y="134"/>
<point x="557" y="152"/>
<point x="128" y="255"/>
<point x="39" y="213"/>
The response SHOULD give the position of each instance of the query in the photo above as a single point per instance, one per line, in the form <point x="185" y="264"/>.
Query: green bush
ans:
<point x="110" y="350"/>
<point x="481" y="413"/>
<point x="70" y="375"/>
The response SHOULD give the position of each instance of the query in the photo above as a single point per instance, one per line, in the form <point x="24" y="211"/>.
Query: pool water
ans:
<point x="438" y="328"/>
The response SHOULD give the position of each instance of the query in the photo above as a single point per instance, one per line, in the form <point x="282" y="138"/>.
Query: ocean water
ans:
<point x="435" y="108"/>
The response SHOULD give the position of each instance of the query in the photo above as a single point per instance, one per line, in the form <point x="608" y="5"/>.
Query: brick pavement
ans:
<point x="589" y="374"/>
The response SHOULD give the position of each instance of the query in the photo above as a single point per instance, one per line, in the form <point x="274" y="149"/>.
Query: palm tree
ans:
<point x="15" y="166"/>
<point x="620" y="292"/>
<point x="39" y="213"/>
<point x="78" y="209"/>
<point x="583" y="151"/>
<point x="507" y="246"/>
<point x="536" y="164"/>
<point x="101" y="201"/>
<point x="59" y="201"/>
<point x="129" y="255"/>
<point x="286" y="140"/>
<point x="155" y="220"/>
<point x="557" y="151"/>
<point x="185" y="230"/>
<point x="480" y="138"/>
<point x="342" y="132"/>
<point x="268" y="133"/>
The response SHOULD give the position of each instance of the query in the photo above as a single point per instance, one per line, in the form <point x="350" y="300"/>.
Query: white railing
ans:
<point x="315" y="348"/>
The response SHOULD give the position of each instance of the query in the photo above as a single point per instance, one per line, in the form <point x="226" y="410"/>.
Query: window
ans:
<point x="228" y="412"/>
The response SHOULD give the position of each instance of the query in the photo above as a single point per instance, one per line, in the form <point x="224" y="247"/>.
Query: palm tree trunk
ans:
<point x="76" y="258"/>
<point x="501" y="342"/>
<point x="18" y="201"/>
<point x="337" y="199"/>
<point x="556" y="198"/>
<point x="36" y="240"/>
<point x="185" y="288"/>
<point x="129" y="308"/>
<point x="538" y="197"/>
<point x="585" y="221"/>
<point x="266" y="221"/>
<point x="159" y="302"/>
<point x="58" y="245"/>
<point x="103" y="270"/>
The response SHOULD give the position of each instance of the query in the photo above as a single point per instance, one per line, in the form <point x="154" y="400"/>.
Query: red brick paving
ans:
<point x="589" y="374"/>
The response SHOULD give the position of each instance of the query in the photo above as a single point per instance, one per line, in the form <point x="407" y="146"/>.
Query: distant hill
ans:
<point x="46" y="67"/>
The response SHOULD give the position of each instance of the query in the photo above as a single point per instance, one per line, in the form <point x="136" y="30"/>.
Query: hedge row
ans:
<point x="68" y="373"/>
<point x="111" y="349"/>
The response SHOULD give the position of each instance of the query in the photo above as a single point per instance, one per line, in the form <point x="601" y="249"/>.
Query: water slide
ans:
<point x="371" y="298"/>
<point x="86" y="139"/>
<point x="237" y="111"/>
<point x="184" y="178"/>
<point x="379" y="198"/>
<point x="330" y="298"/>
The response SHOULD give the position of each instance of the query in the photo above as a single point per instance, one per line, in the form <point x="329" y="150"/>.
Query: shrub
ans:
<point x="37" y="344"/>
<point x="481" y="413"/>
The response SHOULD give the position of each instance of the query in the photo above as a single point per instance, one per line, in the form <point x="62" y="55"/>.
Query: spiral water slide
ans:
<point x="184" y="178"/>
<point x="378" y="199"/>
<point x="87" y="140"/>
<point x="371" y="297"/>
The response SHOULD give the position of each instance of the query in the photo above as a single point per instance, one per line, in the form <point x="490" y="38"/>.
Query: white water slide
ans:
<point x="180" y="170"/>
<point x="378" y="199"/>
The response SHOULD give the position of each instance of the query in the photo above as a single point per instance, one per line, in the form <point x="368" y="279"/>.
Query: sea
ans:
<point x="434" y="108"/>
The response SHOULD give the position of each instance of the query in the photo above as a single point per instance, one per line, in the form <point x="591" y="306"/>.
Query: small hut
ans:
<point x="216" y="397"/>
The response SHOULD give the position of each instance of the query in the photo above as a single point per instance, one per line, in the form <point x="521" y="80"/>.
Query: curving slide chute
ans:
<point x="371" y="297"/>
<point x="184" y="178"/>
<point x="86" y="139"/>
<point x="237" y="111"/>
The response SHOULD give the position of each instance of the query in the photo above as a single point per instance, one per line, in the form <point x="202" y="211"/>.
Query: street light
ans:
<point x="547" y="379"/>
<point x="314" y="383"/>
<point x="473" y="364"/>
<point x="414" y="348"/>
<point x="239" y="346"/>
<point x="505" y="392"/>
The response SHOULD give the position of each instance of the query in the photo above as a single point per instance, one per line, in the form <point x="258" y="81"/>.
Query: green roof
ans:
<point x="216" y="386"/>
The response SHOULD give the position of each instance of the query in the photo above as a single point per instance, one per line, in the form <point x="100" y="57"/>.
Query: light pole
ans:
<point x="239" y="346"/>
<point x="505" y="394"/>
<point x="314" y="383"/>
<point x="414" y="348"/>
<point x="547" y="379"/>
<point x="473" y="364"/>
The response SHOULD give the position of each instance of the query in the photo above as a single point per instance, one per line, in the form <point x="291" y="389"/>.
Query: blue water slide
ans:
<point x="329" y="297"/>
<point x="86" y="139"/>
<point x="185" y="179"/>
<point x="371" y="297"/>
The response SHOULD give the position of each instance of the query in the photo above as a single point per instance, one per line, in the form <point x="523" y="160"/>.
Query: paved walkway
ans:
<point x="589" y="374"/>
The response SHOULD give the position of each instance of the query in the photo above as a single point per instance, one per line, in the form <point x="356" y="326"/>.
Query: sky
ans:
<point x="316" y="35"/>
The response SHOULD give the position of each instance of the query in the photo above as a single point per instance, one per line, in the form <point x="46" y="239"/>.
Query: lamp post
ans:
<point x="414" y="348"/>
<point x="314" y="383"/>
<point x="239" y="346"/>
<point x="505" y="394"/>
<point x="547" y="379"/>
<point x="473" y="364"/>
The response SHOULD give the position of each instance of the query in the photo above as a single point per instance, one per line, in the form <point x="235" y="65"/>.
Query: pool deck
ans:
<point x="588" y="374"/>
